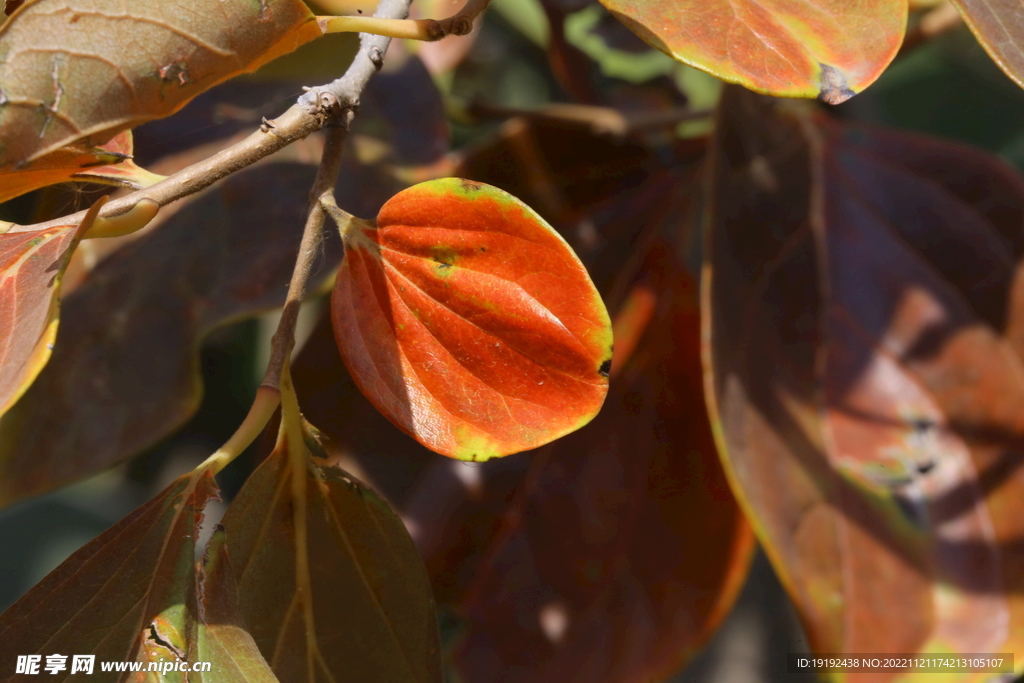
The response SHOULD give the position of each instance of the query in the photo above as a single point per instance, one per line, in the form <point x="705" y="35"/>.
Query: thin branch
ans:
<point x="600" y="120"/>
<point x="312" y="237"/>
<point x="311" y="113"/>
<point x="345" y="93"/>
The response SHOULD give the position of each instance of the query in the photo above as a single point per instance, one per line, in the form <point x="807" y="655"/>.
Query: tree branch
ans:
<point x="311" y="113"/>
<point x="341" y="98"/>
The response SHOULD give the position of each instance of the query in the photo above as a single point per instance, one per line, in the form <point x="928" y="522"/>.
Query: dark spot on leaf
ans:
<point x="470" y="186"/>
<point x="605" y="368"/>
<point x="444" y="256"/>
<point x="483" y="248"/>
<point x="444" y="266"/>
<point x="834" y="86"/>
<point x="921" y="424"/>
<point x="925" y="467"/>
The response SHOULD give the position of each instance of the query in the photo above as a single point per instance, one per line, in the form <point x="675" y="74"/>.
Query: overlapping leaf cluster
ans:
<point x="844" y="384"/>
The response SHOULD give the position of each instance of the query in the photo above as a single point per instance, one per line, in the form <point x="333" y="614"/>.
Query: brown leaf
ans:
<point x="109" y="164"/>
<point x="70" y="73"/>
<point x="124" y="371"/>
<point x="329" y="578"/>
<point x="864" y="363"/>
<point x="594" y="577"/>
<point x="125" y="596"/>
<point x="31" y="266"/>
<point x="999" y="27"/>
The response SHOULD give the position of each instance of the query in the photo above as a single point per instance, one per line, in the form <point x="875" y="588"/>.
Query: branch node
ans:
<point x="461" y="25"/>
<point x="377" y="57"/>
<point x="435" y="31"/>
<point x="267" y="125"/>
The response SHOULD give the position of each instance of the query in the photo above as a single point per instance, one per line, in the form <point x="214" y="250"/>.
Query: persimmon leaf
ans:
<point x="31" y="265"/>
<point x="829" y="49"/>
<point x="126" y="595"/>
<point x="72" y="72"/>
<point x="866" y="369"/>
<point x="595" y="563"/>
<point x="329" y="578"/>
<point x="470" y="323"/>
<point x="999" y="27"/>
<point x="135" y="594"/>
<point x="221" y="636"/>
<point x="109" y="164"/>
<point x="102" y="387"/>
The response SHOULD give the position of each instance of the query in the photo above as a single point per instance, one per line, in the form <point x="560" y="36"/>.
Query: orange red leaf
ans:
<point x="470" y="323"/>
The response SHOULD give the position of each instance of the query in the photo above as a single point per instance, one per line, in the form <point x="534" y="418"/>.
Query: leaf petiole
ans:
<point x="263" y="407"/>
<point x="459" y="24"/>
<point x="348" y="225"/>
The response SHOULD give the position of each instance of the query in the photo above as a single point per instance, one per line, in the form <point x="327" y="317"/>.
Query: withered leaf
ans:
<point x="865" y="367"/>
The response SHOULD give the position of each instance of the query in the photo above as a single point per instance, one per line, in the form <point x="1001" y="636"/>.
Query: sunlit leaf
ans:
<point x="103" y="397"/>
<point x="31" y="265"/>
<point x="74" y="73"/>
<point x="830" y="49"/>
<point x="329" y="579"/>
<point x="125" y="596"/>
<point x="625" y="548"/>
<point x="865" y="367"/>
<point x="470" y="323"/>
<point x="999" y="27"/>
<point x="109" y="164"/>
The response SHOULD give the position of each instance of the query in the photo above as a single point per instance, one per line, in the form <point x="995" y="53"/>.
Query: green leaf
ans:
<point x="866" y="371"/>
<point x="829" y="49"/>
<point x="329" y="578"/>
<point x="221" y="636"/>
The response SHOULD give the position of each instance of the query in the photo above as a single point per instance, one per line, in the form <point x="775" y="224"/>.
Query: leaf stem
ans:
<point x="409" y="29"/>
<point x="298" y="462"/>
<point x="346" y="222"/>
<point x="366" y="63"/>
<point x="458" y="24"/>
<point x="267" y="400"/>
<point x="312" y="237"/>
